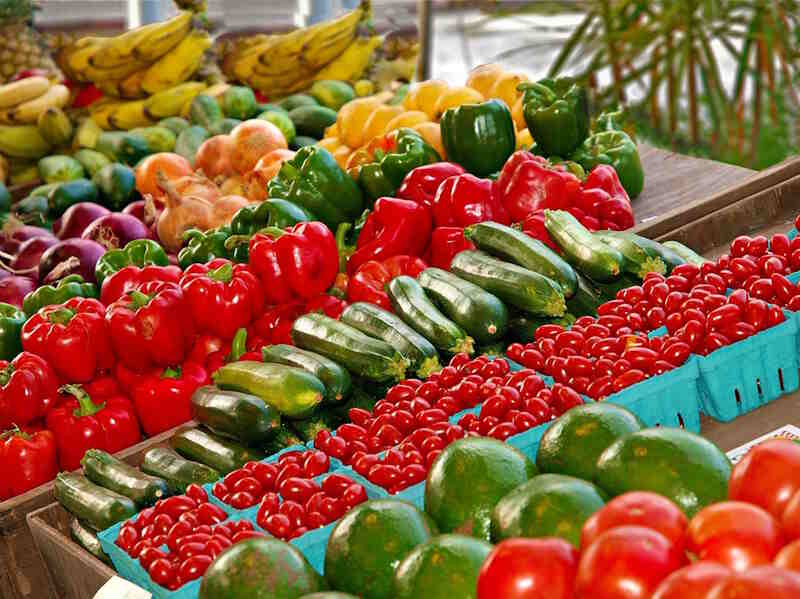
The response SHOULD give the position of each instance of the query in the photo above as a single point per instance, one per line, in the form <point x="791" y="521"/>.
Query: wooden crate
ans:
<point x="71" y="572"/>
<point x="22" y="575"/>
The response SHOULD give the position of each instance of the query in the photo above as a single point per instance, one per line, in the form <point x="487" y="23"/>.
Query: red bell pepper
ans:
<point x="28" y="389"/>
<point x="275" y="324"/>
<point x="209" y="350"/>
<point x="151" y="326"/>
<point x="608" y="202"/>
<point x="420" y="184"/>
<point x="27" y="460"/>
<point x="308" y="257"/>
<point x="327" y="304"/>
<point x="263" y="261"/>
<point x="80" y="424"/>
<point x="163" y="397"/>
<point x="125" y="279"/>
<point x="464" y="200"/>
<point x="446" y="242"/>
<point x="369" y="282"/>
<point x="222" y="297"/>
<point x="73" y="337"/>
<point x="533" y="226"/>
<point x="394" y="227"/>
<point x="528" y="183"/>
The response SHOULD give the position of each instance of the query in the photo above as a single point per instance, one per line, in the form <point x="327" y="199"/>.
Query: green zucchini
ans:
<point x="523" y="328"/>
<point x="99" y="508"/>
<point x="107" y="471"/>
<point x="87" y="539"/>
<point x="608" y="291"/>
<point x="415" y="308"/>
<point x="653" y="249"/>
<point x="375" y="321"/>
<point x="584" y="251"/>
<point x="336" y="379"/>
<point x="371" y="358"/>
<point x="239" y="416"/>
<point x="522" y="288"/>
<point x="286" y="437"/>
<point x="176" y="471"/>
<point x="221" y="454"/>
<point x="586" y="300"/>
<point x="687" y="253"/>
<point x="482" y="315"/>
<point x="322" y="420"/>
<point x="515" y="246"/>
<point x="637" y="262"/>
<point x="292" y="391"/>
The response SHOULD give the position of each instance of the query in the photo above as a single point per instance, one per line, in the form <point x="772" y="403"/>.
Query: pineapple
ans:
<point x="21" y="46"/>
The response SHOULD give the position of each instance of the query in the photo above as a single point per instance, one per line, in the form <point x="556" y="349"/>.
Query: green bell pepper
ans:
<point x="610" y="120"/>
<point x="270" y="213"/>
<point x="557" y="114"/>
<point x="139" y="252"/>
<point x="313" y="180"/>
<point x="202" y="246"/>
<point x="617" y="149"/>
<point x="11" y="321"/>
<point x="400" y="152"/>
<point x="68" y="287"/>
<point x="479" y="137"/>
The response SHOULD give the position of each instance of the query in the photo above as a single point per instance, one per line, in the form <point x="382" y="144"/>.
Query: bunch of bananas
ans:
<point x="142" y="61"/>
<point x="279" y="65"/>
<point x="111" y="113"/>
<point x="21" y="102"/>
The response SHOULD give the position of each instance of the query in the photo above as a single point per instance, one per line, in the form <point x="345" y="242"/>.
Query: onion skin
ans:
<point x="114" y="230"/>
<point x="76" y="218"/>
<point x="68" y="257"/>
<point x="13" y="289"/>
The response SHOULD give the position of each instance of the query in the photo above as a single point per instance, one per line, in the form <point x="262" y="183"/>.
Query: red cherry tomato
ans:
<point x="631" y="377"/>
<point x="692" y="582"/>
<point x="767" y="476"/>
<point x="162" y="572"/>
<point x="298" y="489"/>
<point x="791" y="518"/>
<point x="758" y="583"/>
<point x="789" y="557"/>
<point x="197" y="493"/>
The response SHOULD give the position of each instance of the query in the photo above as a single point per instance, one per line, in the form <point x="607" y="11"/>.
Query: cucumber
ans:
<point x="687" y="253"/>
<point x="336" y="379"/>
<point x="412" y="305"/>
<point x="377" y="322"/>
<point x="291" y="391"/>
<point x="515" y="246"/>
<point x="107" y="471"/>
<point x="176" y="471"/>
<point x="583" y="250"/>
<point x="653" y="249"/>
<point x="239" y="416"/>
<point x="587" y="298"/>
<point x="523" y="328"/>
<point x="286" y="437"/>
<point x="87" y="539"/>
<point x="637" y="262"/>
<point x="482" y="315"/>
<point x="223" y="455"/>
<point x="522" y="288"/>
<point x="99" y="508"/>
<point x="371" y="358"/>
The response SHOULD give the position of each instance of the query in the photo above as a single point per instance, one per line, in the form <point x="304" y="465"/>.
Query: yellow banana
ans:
<point x="101" y="112"/>
<point x="28" y="112"/>
<point x="117" y="50"/>
<point x="129" y="115"/>
<point x="170" y="101"/>
<point x="216" y="91"/>
<point x="157" y="43"/>
<point x="177" y="66"/>
<point x="352" y="63"/>
<point x="74" y="59"/>
<point x="23" y="90"/>
<point x="23" y="142"/>
<point x="131" y="86"/>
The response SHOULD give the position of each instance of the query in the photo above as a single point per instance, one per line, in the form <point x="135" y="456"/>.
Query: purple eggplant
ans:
<point x="77" y="217"/>
<point x="114" y="230"/>
<point x="70" y="257"/>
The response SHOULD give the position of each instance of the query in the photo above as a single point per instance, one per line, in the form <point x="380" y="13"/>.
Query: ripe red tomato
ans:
<point x="759" y="583"/>
<point x="639" y="508"/>
<point x="692" y="582"/>
<point x="789" y="557"/>
<point x="737" y="534"/>
<point x="768" y="475"/>
<point x="529" y="569"/>
<point x="627" y="562"/>
<point x="791" y="518"/>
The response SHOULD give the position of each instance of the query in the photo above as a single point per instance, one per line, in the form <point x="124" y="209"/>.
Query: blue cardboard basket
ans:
<point x="127" y="567"/>
<point x="528" y="441"/>
<point x="792" y="234"/>
<point x="745" y="375"/>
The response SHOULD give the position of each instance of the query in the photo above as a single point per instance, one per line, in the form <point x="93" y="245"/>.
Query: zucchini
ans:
<point x="239" y="416"/>
<point x="336" y="379"/>
<point x="587" y="298"/>
<point x="653" y="249"/>
<point x="87" y="539"/>
<point x="412" y="305"/>
<point x="482" y="315"/>
<point x="107" y="471"/>
<point x="285" y="438"/>
<point x="608" y="291"/>
<point x="375" y="321"/>
<point x="515" y="246"/>
<point x="221" y="454"/>
<point x="523" y="328"/>
<point x="517" y="286"/>
<point x="371" y="358"/>
<point x="584" y="251"/>
<point x="637" y="262"/>
<point x="99" y="508"/>
<point x="687" y="253"/>
<point x="291" y="391"/>
<point x="323" y="420"/>
<point x="176" y="471"/>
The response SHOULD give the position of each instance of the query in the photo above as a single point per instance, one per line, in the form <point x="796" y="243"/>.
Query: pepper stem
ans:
<point x="60" y="315"/>
<point x="273" y="232"/>
<point x="235" y="241"/>
<point x="224" y="273"/>
<point x="5" y="375"/>
<point x="86" y="407"/>
<point x="14" y="431"/>
<point x="171" y="373"/>
<point x="139" y="299"/>
<point x="238" y="345"/>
